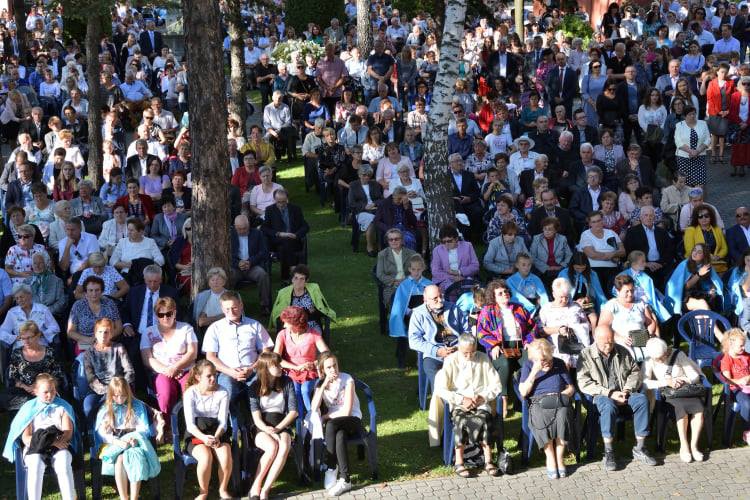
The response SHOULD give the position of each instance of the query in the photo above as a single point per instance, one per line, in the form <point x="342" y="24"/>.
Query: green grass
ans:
<point x="345" y="280"/>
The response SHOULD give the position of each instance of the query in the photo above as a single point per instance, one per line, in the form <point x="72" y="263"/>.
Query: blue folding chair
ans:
<point x="366" y="443"/>
<point x="21" y="472"/>
<point x="382" y="312"/>
<point x="526" y="440"/>
<point x="664" y="412"/>
<point x="455" y="290"/>
<point x="423" y="383"/>
<point x="183" y="459"/>
<point x="697" y="328"/>
<point x="96" y="466"/>
<point x="448" y="448"/>
<point x="728" y="400"/>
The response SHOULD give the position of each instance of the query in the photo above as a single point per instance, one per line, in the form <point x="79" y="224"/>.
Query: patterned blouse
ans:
<point x="19" y="259"/>
<point x="84" y="318"/>
<point x="305" y="302"/>
<point x="24" y="371"/>
<point x="490" y="325"/>
<point x="495" y="227"/>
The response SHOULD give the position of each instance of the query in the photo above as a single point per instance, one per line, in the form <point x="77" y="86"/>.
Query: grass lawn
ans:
<point x="345" y="280"/>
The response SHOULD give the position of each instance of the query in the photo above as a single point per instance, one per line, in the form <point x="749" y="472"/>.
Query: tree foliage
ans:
<point x="301" y="12"/>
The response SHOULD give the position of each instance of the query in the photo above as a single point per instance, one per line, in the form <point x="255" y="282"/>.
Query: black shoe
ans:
<point x="643" y="456"/>
<point x="609" y="461"/>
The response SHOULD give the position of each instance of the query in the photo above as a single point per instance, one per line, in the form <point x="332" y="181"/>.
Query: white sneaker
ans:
<point x="746" y="436"/>
<point x="329" y="479"/>
<point x="341" y="487"/>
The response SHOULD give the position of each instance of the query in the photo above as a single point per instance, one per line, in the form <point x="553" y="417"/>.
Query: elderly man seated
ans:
<point x="608" y="373"/>
<point x="434" y="328"/>
<point x="469" y="383"/>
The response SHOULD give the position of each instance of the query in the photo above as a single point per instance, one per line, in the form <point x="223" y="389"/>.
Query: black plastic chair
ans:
<point x="366" y="443"/>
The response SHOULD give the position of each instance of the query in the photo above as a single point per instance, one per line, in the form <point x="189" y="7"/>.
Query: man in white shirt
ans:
<point x="252" y="57"/>
<point x="727" y="44"/>
<point x="666" y="84"/>
<point x="523" y="158"/>
<point x="702" y="36"/>
<point x="233" y="345"/>
<point x="75" y="248"/>
<point x="277" y="120"/>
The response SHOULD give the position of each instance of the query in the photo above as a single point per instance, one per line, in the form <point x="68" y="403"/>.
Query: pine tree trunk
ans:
<point x="364" y="28"/>
<point x="19" y="15"/>
<point x="236" y="61"/>
<point x="93" y="37"/>
<point x="208" y="133"/>
<point x="440" y="209"/>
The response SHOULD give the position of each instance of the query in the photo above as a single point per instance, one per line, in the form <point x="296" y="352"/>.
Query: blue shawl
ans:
<point x="401" y="297"/>
<point x="676" y="286"/>
<point x="25" y="416"/>
<point x="515" y="281"/>
<point x="736" y="294"/>
<point x="655" y="297"/>
<point x="595" y="286"/>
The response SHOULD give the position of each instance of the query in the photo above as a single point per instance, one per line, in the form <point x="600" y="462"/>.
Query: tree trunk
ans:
<point x="364" y="28"/>
<point x="93" y="37"/>
<point x="440" y="209"/>
<point x="237" y="61"/>
<point x="438" y="9"/>
<point x="208" y="134"/>
<point x="19" y="15"/>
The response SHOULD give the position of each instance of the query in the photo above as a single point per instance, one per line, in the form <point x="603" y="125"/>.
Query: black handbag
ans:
<point x="570" y="344"/>
<point x="687" y="390"/>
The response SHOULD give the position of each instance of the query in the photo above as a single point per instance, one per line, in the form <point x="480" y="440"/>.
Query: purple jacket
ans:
<point x="468" y="263"/>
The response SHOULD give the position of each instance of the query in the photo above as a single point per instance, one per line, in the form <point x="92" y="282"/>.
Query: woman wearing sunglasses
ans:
<point x="704" y="229"/>
<point x="169" y="348"/>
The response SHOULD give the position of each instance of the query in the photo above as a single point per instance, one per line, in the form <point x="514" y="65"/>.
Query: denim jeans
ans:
<point x="236" y="390"/>
<point x="304" y="392"/>
<point x="91" y="404"/>
<point x="743" y="400"/>
<point x="80" y="381"/>
<point x="608" y="411"/>
<point x="431" y="366"/>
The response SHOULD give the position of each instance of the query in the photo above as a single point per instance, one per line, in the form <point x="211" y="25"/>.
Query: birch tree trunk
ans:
<point x="364" y="28"/>
<point x="440" y="209"/>
<point x="93" y="37"/>
<point x="237" y="81"/>
<point x="208" y="134"/>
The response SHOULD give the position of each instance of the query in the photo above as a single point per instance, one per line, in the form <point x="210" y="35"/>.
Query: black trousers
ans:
<point x="287" y="249"/>
<point x="337" y="431"/>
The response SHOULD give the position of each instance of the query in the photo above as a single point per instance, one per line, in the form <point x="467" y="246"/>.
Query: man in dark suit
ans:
<point x="138" y="314"/>
<point x="137" y="165"/>
<point x="582" y="131"/>
<point x="738" y="22"/>
<point x="563" y="156"/>
<point x="653" y="241"/>
<point x="667" y="84"/>
<point x="150" y="41"/>
<point x="587" y="199"/>
<point x="19" y="190"/>
<point x="285" y="228"/>
<point x="576" y="178"/>
<point x="551" y="208"/>
<point x="503" y="64"/>
<point x="562" y="84"/>
<point x="527" y="177"/>
<point x="249" y="257"/>
<point x="35" y="127"/>
<point x="545" y="139"/>
<point x="466" y="195"/>
<point x="644" y="171"/>
<point x="629" y="95"/>
<point x="738" y="236"/>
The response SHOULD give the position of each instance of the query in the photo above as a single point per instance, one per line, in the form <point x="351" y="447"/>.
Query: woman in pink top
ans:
<point x="299" y="347"/>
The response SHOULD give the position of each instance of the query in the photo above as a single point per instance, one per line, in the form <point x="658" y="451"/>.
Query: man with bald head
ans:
<point x="249" y="256"/>
<point x="608" y="373"/>
<point x="738" y="236"/>
<point x="434" y="328"/>
<point x="655" y="242"/>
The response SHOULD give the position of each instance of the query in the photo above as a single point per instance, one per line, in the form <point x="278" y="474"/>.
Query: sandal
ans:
<point x="461" y="471"/>
<point x="491" y="470"/>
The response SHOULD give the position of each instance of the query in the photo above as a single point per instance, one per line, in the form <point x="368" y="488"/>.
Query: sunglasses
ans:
<point x="167" y="314"/>
<point x="504" y="292"/>
<point x="704" y="216"/>
<point x="188" y="229"/>
<point x="596" y="66"/>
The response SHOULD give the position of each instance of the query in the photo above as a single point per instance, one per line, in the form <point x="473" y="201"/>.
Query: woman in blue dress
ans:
<point x="591" y="87"/>
<point x="408" y="295"/>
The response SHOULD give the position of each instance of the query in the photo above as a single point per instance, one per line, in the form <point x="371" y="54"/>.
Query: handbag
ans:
<point x="570" y="344"/>
<point x="639" y="337"/>
<point x="687" y="390"/>
<point x="512" y="350"/>
<point x="207" y="425"/>
<point x="654" y="134"/>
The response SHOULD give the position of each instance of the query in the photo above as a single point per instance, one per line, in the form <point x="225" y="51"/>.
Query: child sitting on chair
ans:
<point x="527" y="288"/>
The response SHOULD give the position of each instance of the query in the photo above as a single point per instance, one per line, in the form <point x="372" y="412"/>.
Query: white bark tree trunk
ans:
<point x="440" y="209"/>
<point x="364" y="28"/>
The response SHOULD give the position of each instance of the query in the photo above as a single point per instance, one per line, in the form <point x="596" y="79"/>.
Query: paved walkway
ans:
<point x="724" y="475"/>
<point x="727" y="193"/>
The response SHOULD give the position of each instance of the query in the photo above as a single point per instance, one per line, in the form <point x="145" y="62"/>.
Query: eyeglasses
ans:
<point x="704" y="216"/>
<point x="167" y="314"/>
<point x="596" y="66"/>
<point x="24" y="236"/>
<point x="447" y="240"/>
<point x="743" y="214"/>
<point x="502" y="291"/>
<point x="394" y="239"/>
<point x="188" y="229"/>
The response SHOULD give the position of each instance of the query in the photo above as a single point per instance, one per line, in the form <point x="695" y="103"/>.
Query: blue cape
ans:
<point x="401" y="297"/>
<point x="656" y="298"/>
<point x="735" y="290"/>
<point x="141" y="415"/>
<point x="25" y="416"/>
<point x="514" y="282"/>
<point x="596" y="287"/>
<point x="676" y="286"/>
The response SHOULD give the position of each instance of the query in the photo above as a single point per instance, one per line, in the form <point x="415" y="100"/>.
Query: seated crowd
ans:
<point x="579" y="177"/>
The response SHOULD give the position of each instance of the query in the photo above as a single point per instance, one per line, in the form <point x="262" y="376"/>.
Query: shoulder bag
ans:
<point x="687" y="390"/>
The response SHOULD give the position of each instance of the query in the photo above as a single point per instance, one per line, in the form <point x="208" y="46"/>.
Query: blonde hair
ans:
<point x="730" y="336"/>
<point x="118" y="385"/>
<point x="543" y="347"/>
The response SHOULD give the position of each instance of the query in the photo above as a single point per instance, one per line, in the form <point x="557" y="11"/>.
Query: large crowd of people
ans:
<point x="579" y="180"/>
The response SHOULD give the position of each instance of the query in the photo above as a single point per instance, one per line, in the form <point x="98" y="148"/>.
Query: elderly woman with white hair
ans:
<point x="63" y="213"/>
<point x="115" y="286"/>
<point x="260" y="196"/>
<point x="469" y="383"/>
<point x="363" y="196"/>
<point x="46" y="288"/>
<point x="24" y="310"/>
<point x="565" y="322"/>
<point x="548" y="386"/>
<point x="207" y="304"/>
<point x="679" y="379"/>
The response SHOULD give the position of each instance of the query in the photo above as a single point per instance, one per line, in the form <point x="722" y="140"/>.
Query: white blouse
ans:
<point x="682" y="136"/>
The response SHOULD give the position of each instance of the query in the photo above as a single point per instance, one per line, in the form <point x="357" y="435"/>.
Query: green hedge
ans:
<point x="301" y="12"/>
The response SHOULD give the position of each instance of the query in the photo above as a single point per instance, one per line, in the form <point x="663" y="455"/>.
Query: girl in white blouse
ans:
<point x="652" y="113"/>
<point x="206" y="407"/>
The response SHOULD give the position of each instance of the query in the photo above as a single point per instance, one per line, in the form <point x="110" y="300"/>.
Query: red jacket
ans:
<point x="148" y="205"/>
<point x="713" y="96"/>
<point x="734" y="109"/>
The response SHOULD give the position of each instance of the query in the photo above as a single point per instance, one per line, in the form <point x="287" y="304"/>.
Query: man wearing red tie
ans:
<point x="562" y="84"/>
